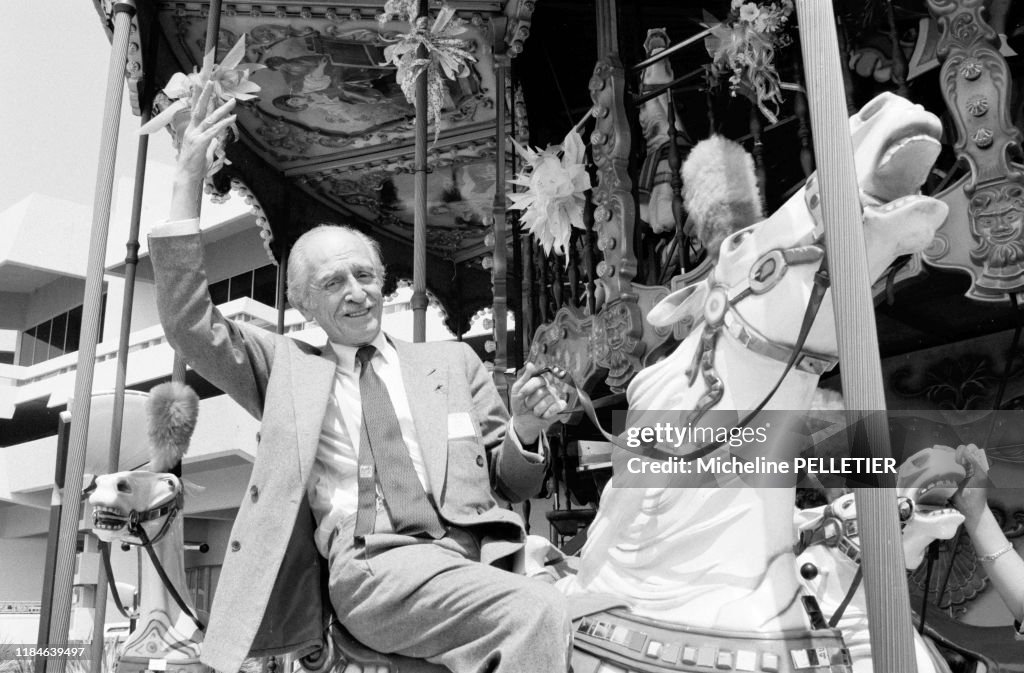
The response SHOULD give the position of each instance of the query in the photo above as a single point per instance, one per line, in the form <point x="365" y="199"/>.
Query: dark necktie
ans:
<point x="410" y="510"/>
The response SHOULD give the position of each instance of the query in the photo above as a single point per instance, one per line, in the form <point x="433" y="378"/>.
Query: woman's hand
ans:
<point x="972" y="497"/>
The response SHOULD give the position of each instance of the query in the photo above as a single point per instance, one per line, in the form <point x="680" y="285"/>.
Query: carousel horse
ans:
<point x="830" y="560"/>
<point x="144" y="508"/>
<point x="711" y="570"/>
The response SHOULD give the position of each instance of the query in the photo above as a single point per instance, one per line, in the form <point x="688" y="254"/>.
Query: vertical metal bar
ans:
<point x="280" y="284"/>
<point x="843" y="37"/>
<point x="574" y="271"/>
<point x="757" y="150"/>
<point x="131" y="261"/>
<point x="178" y="369"/>
<point x="92" y="305"/>
<point x="419" y="236"/>
<point x="544" y="291"/>
<point x="528" y="294"/>
<point x="803" y="131"/>
<point x="888" y="603"/>
<point x="516" y="296"/>
<point x="557" y="280"/>
<point x="50" y="563"/>
<point x="213" y="28"/>
<point x="899" y="60"/>
<point x="499" y="271"/>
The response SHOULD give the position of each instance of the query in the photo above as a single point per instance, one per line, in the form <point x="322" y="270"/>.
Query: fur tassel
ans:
<point x="720" y="191"/>
<point x="172" y="409"/>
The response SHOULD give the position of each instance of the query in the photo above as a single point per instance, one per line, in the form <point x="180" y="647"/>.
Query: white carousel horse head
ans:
<point x="929" y="478"/>
<point x="723" y="558"/>
<point x="895" y="143"/>
<point x="925" y="483"/>
<point x="124" y="501"/>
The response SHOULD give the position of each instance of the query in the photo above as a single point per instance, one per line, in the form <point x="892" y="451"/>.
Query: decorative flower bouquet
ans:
<point x="230" y="80"/>
<point x="447" y="55"/>
<point x="744" y="45"/>
<point x="555" y="180"/>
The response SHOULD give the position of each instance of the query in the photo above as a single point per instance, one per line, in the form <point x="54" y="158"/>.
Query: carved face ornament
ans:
<point x="997" y="222"/>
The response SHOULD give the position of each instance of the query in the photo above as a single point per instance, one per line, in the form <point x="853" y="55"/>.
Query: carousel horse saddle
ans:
<point x="640" y="645"/>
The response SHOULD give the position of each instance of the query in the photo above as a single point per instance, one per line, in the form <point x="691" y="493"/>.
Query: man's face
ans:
<point x="345" y="290"/>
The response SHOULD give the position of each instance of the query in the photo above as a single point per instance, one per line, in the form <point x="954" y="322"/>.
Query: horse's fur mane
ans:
<point x="172" y="409"/>
<point x="720" y="190"/>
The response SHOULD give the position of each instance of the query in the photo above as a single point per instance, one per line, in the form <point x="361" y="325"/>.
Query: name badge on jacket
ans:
<point x="460" y="424"/>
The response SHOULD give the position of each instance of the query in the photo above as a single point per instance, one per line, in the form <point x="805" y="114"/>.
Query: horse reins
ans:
<point x="134" y="527"/>
<point x="775" y="262"/>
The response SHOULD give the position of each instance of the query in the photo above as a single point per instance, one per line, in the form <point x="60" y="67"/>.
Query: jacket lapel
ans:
<point x="426" y="385"/>
<point x="312" y="378"/>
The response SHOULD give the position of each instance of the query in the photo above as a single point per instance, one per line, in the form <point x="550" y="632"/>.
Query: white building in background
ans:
<point x="43" y="251"/>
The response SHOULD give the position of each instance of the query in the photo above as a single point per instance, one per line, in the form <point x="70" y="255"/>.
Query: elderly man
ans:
<point x="380" y="455"/>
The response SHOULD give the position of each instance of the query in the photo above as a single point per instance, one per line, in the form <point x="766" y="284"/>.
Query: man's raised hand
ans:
<point x="199" y="141"/>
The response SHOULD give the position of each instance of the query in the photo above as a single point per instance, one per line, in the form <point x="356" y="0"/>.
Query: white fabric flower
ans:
<point x="554" y="196"/>
<point x="749" y="11"/>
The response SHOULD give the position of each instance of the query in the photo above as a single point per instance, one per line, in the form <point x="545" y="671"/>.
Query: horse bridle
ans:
<point x="134" y="525"/>
<point x="842" y="533"/>
<point x="721" y="314"/>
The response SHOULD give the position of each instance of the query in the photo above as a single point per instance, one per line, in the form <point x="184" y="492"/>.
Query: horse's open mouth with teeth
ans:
<point x="901" y="159"/>
<point x="929" y="478"/>
<point x="108" y="518"/>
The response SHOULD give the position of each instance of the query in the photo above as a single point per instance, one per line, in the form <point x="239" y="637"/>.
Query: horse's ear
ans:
<point x="685" y="305"/>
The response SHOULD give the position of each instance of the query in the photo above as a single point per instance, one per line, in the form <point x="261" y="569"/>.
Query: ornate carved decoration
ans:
<point x="967" y="577"/>
<point x="1012" y="523"/>
<point x="135" y="73"/>
<point x="521" y="121"/>
<point x="519" y="13"/>
<point x="958" y="383"/>
<point x="614" y="215"/>
<point x="218" y="196"/>
<point x="565" y="342"/>
<point x="326" y="91"/>
<point x="964" y="377"/>
<point x="976" y="85"/>
<point x="615" y="339"/>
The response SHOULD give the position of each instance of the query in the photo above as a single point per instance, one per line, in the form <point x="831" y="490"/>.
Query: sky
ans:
<point x="51" y="103"/>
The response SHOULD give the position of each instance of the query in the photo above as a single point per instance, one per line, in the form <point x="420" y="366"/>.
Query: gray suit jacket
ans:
<point x="269" y="595"/>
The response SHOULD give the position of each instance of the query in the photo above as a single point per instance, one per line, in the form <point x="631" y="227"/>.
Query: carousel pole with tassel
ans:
<point x="60" y="615"/>
<point x="888" y="602"/>
<point x="419" y="235"/>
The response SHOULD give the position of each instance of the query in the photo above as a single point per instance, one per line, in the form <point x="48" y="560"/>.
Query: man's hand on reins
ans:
<point x="535" y="404"/>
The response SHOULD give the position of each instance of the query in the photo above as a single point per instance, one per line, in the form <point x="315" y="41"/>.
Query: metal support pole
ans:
<point x="52" y="540"/>
<point x="281" y="282"/>
<point x="131" y="262"/>
<point x="72" y="506"/>
<point x="499" y="270"/>
<point x="212" y="28"/>
<point x="419" y="236"/>
<point x="885" y="584"/>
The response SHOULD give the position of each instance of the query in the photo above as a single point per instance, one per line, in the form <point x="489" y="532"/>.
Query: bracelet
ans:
<point x="989" y="558"/>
